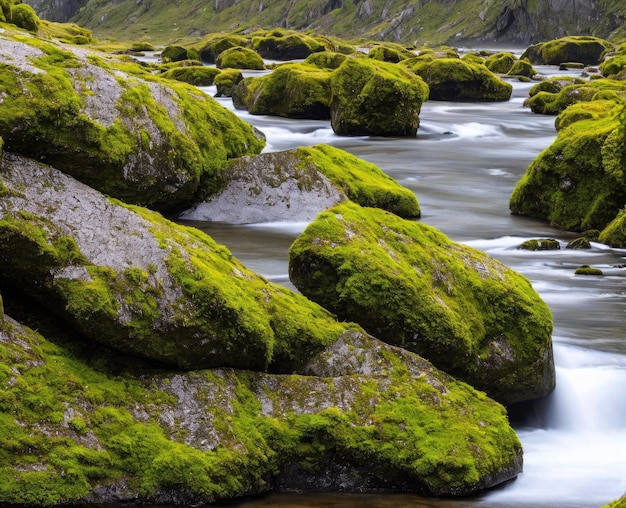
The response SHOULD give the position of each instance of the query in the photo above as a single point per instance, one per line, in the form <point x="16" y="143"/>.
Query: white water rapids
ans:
<point x="463" y="166"/>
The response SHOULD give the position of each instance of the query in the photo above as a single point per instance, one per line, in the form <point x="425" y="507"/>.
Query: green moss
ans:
<point x="142" y="46"/>
<point x="522" y="67"/>
<point x="389" y="54"/>
<point x="211" y="47"/>
<point x="577" y="183"/>
<point x="363" y="182"/>
<point x="325" y="59"/>
<point x="454" y="79"/>
<point x="579" y="243"/>
<point x="292" y="91"/>
<point x="500" y="63"/>
<point x="587" y="270"/>
<point x="409" y="285"/>
<point x="284" y="45"/>
<point x="24" y="16"/>
<point x="174" y="53"/>
<point x="614" y="234"/>
<point x="239" y="58"/>
<point x="541" y="244"/>
<point x="194" y="75"/>
<point x="374" y="97"/>
<point x="584" y="49"/>
<point x="226" y="81"/>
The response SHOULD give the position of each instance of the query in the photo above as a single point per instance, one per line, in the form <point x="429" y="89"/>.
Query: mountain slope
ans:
<point x="408" y="21"/>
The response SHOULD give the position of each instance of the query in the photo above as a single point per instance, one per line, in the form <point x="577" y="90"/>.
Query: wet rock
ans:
<point x="409" y="285"/>
<point x="540" y="244"/>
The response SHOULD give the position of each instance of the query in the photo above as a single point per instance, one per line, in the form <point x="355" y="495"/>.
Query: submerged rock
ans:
<point x="409" y="285"/>
<point x="77" y="434"/>
<point x="114" y="126"/>
<point x="371" y="97"/>
<point x="297" y="184"/>
<point x="588" y="270"/>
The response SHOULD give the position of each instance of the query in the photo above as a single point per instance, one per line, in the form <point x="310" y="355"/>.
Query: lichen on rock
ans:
<point x="409" y="285"/>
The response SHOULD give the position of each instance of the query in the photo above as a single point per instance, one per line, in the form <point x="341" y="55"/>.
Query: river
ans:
<point x="463" y="166"/>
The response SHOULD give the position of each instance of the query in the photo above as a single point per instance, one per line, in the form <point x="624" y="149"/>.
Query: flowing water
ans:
<point x="463" y="166"/>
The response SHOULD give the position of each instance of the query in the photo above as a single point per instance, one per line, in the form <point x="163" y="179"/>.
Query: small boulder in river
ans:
<point x="540" y="244"/>
<point x="297" y="184"/>
<point x="409" y="285"/>
<point x="371" y="97"/>
<point x="583" y="49"/>
<point x="453" y="79"/>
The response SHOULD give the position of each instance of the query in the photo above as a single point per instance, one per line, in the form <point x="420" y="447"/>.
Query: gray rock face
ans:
<point x="56" y="10"/>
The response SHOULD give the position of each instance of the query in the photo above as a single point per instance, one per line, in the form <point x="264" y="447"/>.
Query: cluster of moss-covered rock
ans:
<point x="167" y="372"/>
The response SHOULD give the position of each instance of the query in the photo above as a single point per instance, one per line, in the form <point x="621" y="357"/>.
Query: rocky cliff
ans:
<point x="445" y="21"/>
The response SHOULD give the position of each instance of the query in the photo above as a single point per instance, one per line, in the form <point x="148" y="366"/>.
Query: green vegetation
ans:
<point x="285" y="45"/>
<point x="579" y="243"/>
<point x="362" y="182"/>
<point x="325" y="59"/>
<point x="587" y="270"/>
<point x="371" y="97"/>
<point x="226" y="81"/>
<point x="239" y="58"/>
<point x="453" y="79"/>
<point x="583" y="49"/>
<point x="540" y="244"/>
<point x="578" y="182"/>
<point x="500" y="63"/>
<point x="522" y="67"/>
<point x="162" y="140"/>
<point x="292" y="90"/>
<point x="409" y="285"/>
<point x="197" y="75"/>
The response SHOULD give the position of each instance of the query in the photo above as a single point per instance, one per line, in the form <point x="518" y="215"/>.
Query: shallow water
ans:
<point x="463" y="166"/>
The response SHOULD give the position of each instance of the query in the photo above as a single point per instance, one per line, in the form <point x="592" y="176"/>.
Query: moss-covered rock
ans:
<point x="76" y="434"/>
<point x="540" y="244"/>
<point x="297" y="184"/>
<point x="500" y="63"/>
<point x="584" y="49"/>
<point x="24" y="16"/>
<point x="411" y="286"/>
<point x="239" y="58"/>
<point x="580" y="243"/>
<point x="453" y="79"/>
<point x="326" y="59"/>
<point x="522" y="67"/>
<point x="556" y="95"/>
<point x="130" y="279"/>
<point x="588" y="270"/>
<point x="388" y="53"/>
<point x="614" y="234"/>
<point x="226" y="81"/>
<point x="210" y="49"/>
<point x="578" y="182"/>
<point x="285" y="45"/>
<point x="292" y="91"/>
<point x="197" y="75"/>
<point x="371" y="97"/>
<point x="615" y="65"/>
<point x="176" y="53"/>
<point x="114" y="126"/>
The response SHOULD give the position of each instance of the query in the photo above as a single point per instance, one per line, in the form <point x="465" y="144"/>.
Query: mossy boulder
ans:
<point x="292" y="91"/>
<point x="114" y="126"/>
<point x="500" y="63"/>
<point x="554" y="102"/>
<point x="24" y="16"/>
<point x="297" y="184"/>
<point x="239" y="58"/>
<point x="453" y="79"/>
<point x="371" y="97"/>
<point x="408" y="284"/>
<point x="197" y="75"/>
<point x="226" y="81"/>
<point x="522" y="67"/>
<point x="578" y="182"/>
<point x="285" y="45"/>
<point x="584" y="49"/>
<point x="73" y="432"/>
<point x="128" y="278"/>
<point x="211" y="48"/>
<point x="588" y="270"/>
<point x="326" y="59"/>
<point x="580" y="243"/>
<point x="540" y="244"/>
<point x="614" y="234"/>
<point x="176" y="53"/>
<point x="389" y="54"/>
